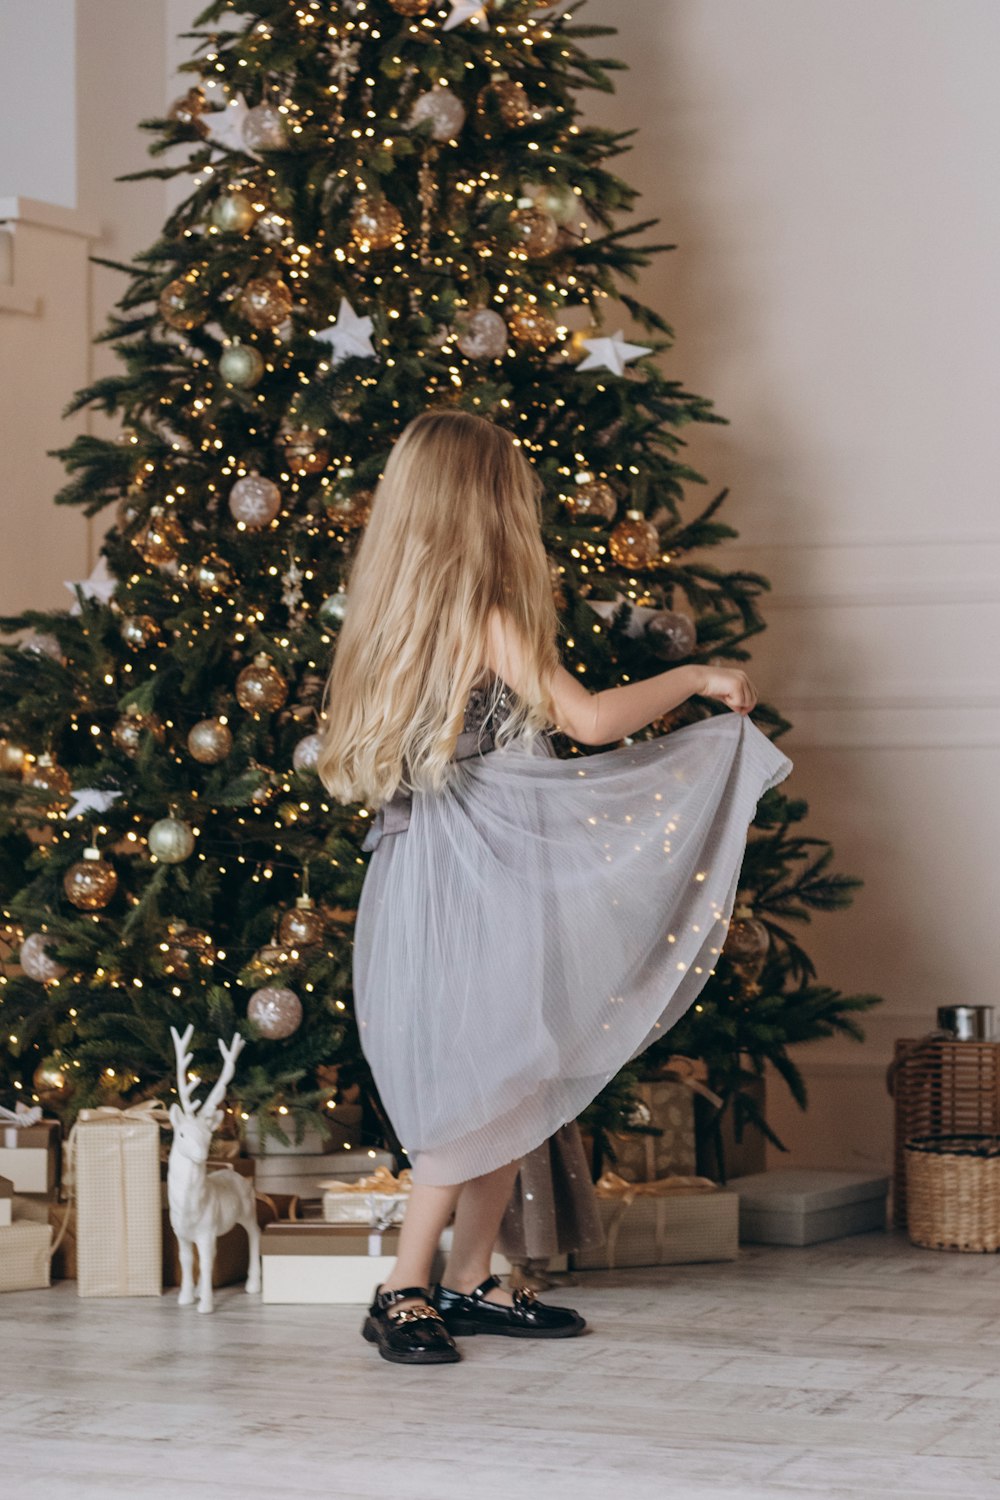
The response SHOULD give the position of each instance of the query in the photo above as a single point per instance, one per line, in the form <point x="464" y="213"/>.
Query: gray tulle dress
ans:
<point x="526" y="931"/>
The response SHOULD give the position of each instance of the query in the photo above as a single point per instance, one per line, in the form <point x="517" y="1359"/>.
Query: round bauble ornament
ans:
<point x="509" y="99"/>
<point x="350" y="511"/>
<point x="671" y="635"/>
<point x="747" y="940"/>
<point x="305" y="450"/>
<point x="212" y="575"/>
<point x="12" y="758"/>
<point x="138" y="630"/>
<point x="234" y="213"/>
<point x="266" y="301"/>
<point x="411" y="7"/>
<point x="51" y="778"/>
<point x="188" y="110"/>
<point x="241" y="365"/>
<point x="157" y="541"/>
<point x="260" y="688"/>
<point x="210" y="741"/>
<point x="36" y="960"/>
<point x="592" y="499"/>
<point x="91" y="882"/>
<point x="334" y="607"/>
<point x="50" y="1082"/>
<point x="275" y="1011"/>
<point x="181" y="304"/>
<point x="128" y="732"/>
<point x="185" y="949"/>
<point x="376" y="224"/>
<point x="303" y="926"/>
<point x="42" y="644"/>
<point x="533" y="328"/>
<point x="535" y="232"/>
<point x="171" y="840"/>
<point x="443" y="109"/>
<point x="306" y="753"/>
<point x="264" y="128"/>
<point x="482" y="334"/>
<point x="557" y="199"/>
<point x="254" y="501"/>
<point x="635" y="542"/>
<point x="269" y="961"/>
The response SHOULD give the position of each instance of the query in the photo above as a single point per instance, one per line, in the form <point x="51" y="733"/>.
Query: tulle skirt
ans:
<point x="539" y="923"/>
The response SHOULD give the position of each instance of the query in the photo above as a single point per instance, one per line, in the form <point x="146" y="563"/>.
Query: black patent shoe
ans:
<point x="412" y="1336"/>
<point x="470" y="1312"/>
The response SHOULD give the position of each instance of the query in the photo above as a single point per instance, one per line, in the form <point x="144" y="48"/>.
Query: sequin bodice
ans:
<point x="478" y="717"/>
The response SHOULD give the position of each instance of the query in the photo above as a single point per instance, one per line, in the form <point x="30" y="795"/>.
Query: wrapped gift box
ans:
<point x="374" y="1198"/>
<point x="6" y="1202"/>
<point x="679" y="1224"/>
<point x="115" y="1159"/>
<point x="799" y="1206"/>
<point x="25" y="1256"/>
<point x="299" y="1176"/>
<point x="640" y="1157"/>
<point x="29" y="1156"/>
<point x="315" y="1262"/>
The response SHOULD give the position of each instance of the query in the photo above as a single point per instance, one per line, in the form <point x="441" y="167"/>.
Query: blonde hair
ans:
<point x="454" y="534"/>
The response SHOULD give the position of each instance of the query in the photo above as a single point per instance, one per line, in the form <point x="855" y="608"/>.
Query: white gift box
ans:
<point x="6" y="1202"/>
<point x="29" y="1155"/>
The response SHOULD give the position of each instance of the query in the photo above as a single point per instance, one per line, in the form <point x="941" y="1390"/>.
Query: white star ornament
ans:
<point x="349" y="337"/>
<point x="611" y="354"/>
<point x="465" y="10"/>
<point x="100" y="585"/>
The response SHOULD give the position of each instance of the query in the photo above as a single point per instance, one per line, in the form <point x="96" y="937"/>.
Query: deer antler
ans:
<point x="229" y="1056"/>
<point x="184" y="1084"/>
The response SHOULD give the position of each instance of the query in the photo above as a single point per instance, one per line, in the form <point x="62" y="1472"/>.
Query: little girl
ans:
<point x="527" y="923"/>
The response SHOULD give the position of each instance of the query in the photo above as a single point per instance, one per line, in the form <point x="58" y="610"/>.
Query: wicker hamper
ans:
<point x="941" y="1088"/>
<point x="953" y="1192"/>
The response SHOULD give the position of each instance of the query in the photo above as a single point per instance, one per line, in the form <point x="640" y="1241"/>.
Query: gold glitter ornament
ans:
<point x="181" y="304"/>
<point x="12" y="758"/>
<point x="536" y="232"/>
<point x="269" y="961"/>
<point x="128" y="732"/>
<point x="186" y="948"/>
<point x="592" y="499"/>
<point x="234" y="213"/>
<point x="91" y="882"/>
<point x="376" y="224"/>
<point x="305" y="450"/>
<point x="510" y="99"/>
<point x="411" y="7"/>
<point x="303" y="926"/>
<point x="49" y="777"/>
<point x="188" y="110"/>
<point x="275" y="1011"/>
<point x="241" y="364"/>
<point x="635" y="542"/>
<point x="157" y="541"/>
<point x="533" y="328"/>
<point x="49" y="1081"/>
<point x="260" y="688"/>
<point x="209" y="742"/>
<point x="350" y="511"/>
<point x="212" y="575"/>
<point x="138" y="630"/>
<point x="747" y="940"/>
<point x="266" y="301"/>
<point x="171" y="840"/>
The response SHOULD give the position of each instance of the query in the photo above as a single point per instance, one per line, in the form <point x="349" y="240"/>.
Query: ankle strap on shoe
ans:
<point x="385" y="1297"/>
<point x="485" y="1286"/>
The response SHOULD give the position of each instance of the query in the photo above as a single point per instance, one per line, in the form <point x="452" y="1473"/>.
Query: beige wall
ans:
<point x="829" y="175"/>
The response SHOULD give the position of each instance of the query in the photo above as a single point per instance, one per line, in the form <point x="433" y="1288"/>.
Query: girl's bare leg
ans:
<point x="477" y="1223"/>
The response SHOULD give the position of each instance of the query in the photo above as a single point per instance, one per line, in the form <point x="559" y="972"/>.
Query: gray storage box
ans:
<point x="801" y="1206"/>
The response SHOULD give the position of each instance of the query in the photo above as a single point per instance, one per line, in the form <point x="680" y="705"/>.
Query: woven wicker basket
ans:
<point x="953" y="1192"/>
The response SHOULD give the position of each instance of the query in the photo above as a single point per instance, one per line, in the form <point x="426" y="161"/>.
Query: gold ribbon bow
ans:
<point x="692" y="1072"/>
<point x="379" y="1181"/>
<point x="610" y="1185"/>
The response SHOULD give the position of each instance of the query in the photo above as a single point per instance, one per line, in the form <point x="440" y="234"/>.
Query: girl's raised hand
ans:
<point x="731" y="687"/>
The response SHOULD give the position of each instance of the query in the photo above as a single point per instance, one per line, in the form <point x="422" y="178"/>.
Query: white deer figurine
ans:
<point x="205" y="1204"/>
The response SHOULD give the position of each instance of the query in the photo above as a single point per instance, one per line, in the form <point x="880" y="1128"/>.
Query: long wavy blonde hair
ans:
<point x="454" y="533"/>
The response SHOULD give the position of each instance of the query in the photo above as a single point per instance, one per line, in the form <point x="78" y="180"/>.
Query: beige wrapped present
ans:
<point x="114" y="1172"/>
<point x="376" y="1200"/>
<point x="25" y="1250"/>
<point x="675" y="1221"/>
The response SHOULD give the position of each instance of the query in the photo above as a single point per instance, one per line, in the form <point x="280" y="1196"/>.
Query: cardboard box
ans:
<point x="299" y="1176"/>
<point x="25" y="1256"/>
<point x="678" y="1228"/>
<point x="803" y="1206"/>
<point x="29" y="1156"/>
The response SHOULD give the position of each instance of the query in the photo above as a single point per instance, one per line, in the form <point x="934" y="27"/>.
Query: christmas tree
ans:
<point x="393" y="204"/>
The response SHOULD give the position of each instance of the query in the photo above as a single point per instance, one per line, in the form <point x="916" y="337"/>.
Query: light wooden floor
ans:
<point x="862" y="1368"/>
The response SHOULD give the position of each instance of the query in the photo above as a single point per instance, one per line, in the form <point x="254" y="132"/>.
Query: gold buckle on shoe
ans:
<point x="412" y="1314"/>
<point x="522" y="1296"/>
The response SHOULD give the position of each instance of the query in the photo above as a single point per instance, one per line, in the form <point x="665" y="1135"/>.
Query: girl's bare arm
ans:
<point x="602" y="717"/>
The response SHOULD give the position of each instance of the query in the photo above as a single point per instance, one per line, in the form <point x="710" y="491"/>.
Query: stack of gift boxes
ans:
<point x="29" y="1173"/>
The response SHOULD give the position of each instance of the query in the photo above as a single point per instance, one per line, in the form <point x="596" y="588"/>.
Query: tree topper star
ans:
<point x="611" y="353"/>
<point x="349" y="336"/>
<point x="465" y="10"/>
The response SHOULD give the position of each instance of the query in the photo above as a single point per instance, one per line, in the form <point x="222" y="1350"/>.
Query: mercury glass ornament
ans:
<point x="128" y="732"/>
<point x="376" y="224"/>
<point x="443" y="109"/>
<point x="306" y="753"/>
<point x="42" y="644"/>
<point x="533" y="328"/>
<point x="592" y="499"/>
<point x="509" y="98"/>
<point x="188" y="110"/>
<point x="12" y="758"/>
<point x="747" y="940"/>
<point x="171" y="840"/>
<point x="212" y="575"/>
<point x="671" y="635"/>
<point x="334" y="607"/>
<point x="536" y="232"/>
<point x="266" y="301"/>
<point x="234" y="213"/>
<point x="350" y="511"/>
<point x="49" y="777"/>
<point x="241" y="364"/>
<point x="181" y="304"/>
<point x="158" y="539"/>
<point x="269" y="961"/>
<point x="209" y="742"/>
<point x="138" y="630"/>
<point x="91" y="882"/>
<point x="305" y="450"/>
<point x="36" y="961"/>
<point x="411" y="7"/>
<point x="260" y="688"/>
<point x="186" y="948"/>
<point x="275" y="1011"/>
<point x="254" y="501"/>
<point x="49" y="1081"/>
<point x="557" y="199"/>
<point x="264" y="128"/>
<point x="635" y="542"/>
<point x="303" y="926"/>
<point x="482" y="335"/>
